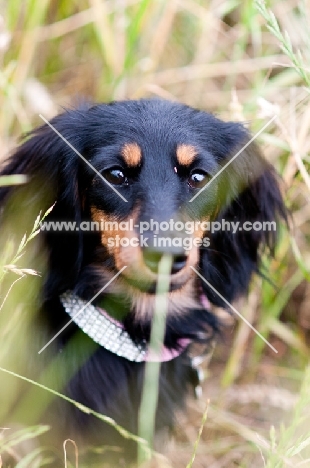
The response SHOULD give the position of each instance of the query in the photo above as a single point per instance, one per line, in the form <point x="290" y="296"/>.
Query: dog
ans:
<point x="159" y="165"/>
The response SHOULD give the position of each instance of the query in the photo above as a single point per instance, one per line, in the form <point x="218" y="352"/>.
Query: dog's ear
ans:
<point x="52" y="168"/>
<point x="249" y="194"/>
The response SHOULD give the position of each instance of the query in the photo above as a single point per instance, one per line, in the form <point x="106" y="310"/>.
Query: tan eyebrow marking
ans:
<point x="186" y="154"/>
<point x="132" y="154"/>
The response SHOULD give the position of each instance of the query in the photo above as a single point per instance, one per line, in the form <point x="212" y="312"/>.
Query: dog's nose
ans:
<point x="152" y="258"/>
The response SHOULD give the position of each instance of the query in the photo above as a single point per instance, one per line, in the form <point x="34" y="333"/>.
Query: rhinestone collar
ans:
<point x="110" y="333"/>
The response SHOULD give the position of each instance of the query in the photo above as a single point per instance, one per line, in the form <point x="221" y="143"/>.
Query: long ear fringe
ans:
<point x="254" y="196"/>
<point x="52" y="167"/>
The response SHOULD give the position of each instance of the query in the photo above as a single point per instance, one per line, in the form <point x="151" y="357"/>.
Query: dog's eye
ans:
<point x="115" y="176"/>
<point x="197" y="179"/>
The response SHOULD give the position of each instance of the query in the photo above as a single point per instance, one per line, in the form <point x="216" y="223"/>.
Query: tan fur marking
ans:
<point x="186" y="154"/>
<point x="132" y="154"/>
<point x="122" y="255"/>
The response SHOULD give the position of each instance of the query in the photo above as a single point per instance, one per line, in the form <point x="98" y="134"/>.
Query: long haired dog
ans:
<point x="154" y="176"/>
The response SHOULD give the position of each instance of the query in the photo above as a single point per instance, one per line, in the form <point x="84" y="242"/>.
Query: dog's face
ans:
<point x="157" y="156"/>
<point x="157" y="162"/>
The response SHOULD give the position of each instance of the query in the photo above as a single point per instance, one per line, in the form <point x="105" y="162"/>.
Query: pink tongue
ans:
<point x="166" y="353"/>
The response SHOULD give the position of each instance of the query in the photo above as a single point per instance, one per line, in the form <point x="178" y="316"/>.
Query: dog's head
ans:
<point x="150" y="175"/>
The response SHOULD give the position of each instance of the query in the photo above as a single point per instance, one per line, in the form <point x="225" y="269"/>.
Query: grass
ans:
<point x="147" y="412"/>
<point x="244" y="61"/>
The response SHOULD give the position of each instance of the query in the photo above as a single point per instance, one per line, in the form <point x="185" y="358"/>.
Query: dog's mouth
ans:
<point x="133" y="291"/>
<point x="150" y="286"/>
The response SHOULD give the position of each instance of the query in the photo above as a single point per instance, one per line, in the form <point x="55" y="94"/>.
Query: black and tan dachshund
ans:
<point x="134" y="168"/>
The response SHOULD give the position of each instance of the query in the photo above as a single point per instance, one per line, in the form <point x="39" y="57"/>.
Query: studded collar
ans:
<point x="110" y="333"/>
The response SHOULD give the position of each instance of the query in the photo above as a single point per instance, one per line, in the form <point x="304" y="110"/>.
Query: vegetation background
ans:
<point x="244" y="61"/>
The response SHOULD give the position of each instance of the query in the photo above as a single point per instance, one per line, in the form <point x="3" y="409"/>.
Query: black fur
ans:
<point x="246" y="191"/>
